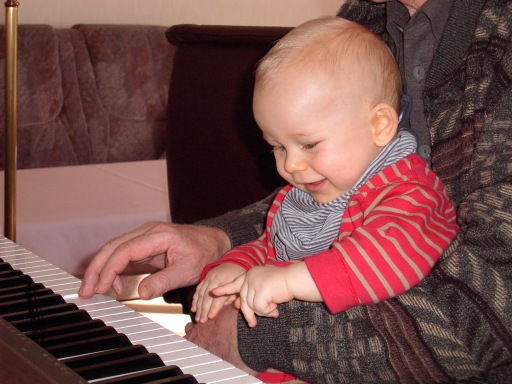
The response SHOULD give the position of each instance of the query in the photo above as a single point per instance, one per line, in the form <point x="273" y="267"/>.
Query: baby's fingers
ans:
<point x="249" y="314"/>
<point x="197" y="298"/>
<point x="263" y="307"/>
<point x="202" y="302"/>
<point x="273" y="313"/>
<point x="231" y="288"/>
<point x="217" y="304"/>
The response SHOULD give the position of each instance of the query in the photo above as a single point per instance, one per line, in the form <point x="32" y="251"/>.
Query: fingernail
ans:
<point x="146" y="293"/>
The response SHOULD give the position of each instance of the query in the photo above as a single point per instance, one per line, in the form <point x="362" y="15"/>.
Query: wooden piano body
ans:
<point x="21" y="358"/>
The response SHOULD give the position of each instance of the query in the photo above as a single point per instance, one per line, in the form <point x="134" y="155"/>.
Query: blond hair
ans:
<point x="343" y="48"/>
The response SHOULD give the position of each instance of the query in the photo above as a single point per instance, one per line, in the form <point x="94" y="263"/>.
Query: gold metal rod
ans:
<point x="11" y="123"/>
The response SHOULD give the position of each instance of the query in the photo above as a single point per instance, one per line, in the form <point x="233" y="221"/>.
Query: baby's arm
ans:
<point x="263" y="287"/>
<point x="206" y="305"/>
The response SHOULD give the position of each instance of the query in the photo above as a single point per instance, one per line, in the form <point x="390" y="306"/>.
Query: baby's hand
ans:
<point x="261" y="289"/>
<point x="204" y="303"/>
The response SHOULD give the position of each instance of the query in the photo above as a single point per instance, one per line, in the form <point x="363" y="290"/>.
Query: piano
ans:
<point x="50" y="335"/>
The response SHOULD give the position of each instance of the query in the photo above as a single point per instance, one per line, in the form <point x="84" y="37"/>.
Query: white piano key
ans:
<point x="218" y="371"/>
<point x="136" y="326"/>
<point x="247" y="379"/>
<point x="150" y="339"/>
<point x="214" y="365"/>
<point x="148" y="336"/>
<point x="112" y="311"/>
<point x="238" y="377"/>
<point x="95" y="300"/>
<point x="162" y="347"/>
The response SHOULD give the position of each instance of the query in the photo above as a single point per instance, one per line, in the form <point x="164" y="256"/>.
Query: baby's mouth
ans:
<point x="315" y="186"/>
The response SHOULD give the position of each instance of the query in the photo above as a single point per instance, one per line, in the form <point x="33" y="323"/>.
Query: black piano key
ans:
<point x="42" y="333"/>
<point x="72" y="336"/>
<point x="35" y="313"/>
<point x="118" y="367"/>
<point x="162" y="373"/>
<point x="15" y="280"/>
<point x="31" y="324"/>
<point x="10" y="273"/>
<point x="5" y="266"/>
<point x="21" y="288"/>
<point x="89" y="345"/>
<point x="13" y="296"/>
<point x="183" y="379"/>
<point x="114" y="362"/>
<point x="99" y="357"/>
<point x="30" y="304"/>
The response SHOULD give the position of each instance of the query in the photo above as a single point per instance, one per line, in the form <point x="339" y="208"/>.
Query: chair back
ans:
<point x="217" y="160"/>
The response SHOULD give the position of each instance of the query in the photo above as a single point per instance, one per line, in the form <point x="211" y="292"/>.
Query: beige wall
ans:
<point x="64" y="13"/>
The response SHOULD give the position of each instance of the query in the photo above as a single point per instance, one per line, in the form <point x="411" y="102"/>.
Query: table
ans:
<point x="65" y="214"/>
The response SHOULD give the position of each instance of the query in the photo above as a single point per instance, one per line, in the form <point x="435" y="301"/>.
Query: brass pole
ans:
<point x="11" y="78"/>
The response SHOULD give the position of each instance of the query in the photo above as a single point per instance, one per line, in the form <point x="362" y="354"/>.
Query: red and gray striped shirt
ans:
<point x="393" y="231"/>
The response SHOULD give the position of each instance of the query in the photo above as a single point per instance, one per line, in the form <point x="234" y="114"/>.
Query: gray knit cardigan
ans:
<point x="456" y="325"/>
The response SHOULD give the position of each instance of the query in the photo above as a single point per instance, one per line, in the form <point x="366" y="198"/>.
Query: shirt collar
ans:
<point x="434" y="10"/>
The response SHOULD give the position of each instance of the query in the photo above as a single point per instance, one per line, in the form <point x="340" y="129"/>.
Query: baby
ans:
<point x="362" y="218"/>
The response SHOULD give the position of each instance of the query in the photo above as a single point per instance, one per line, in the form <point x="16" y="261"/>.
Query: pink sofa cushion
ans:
<point x="51" y="127"/>
<point x="132" y="90"/>
<point x="39" y="76"/>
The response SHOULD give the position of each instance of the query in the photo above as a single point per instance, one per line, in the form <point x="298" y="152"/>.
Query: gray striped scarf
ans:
<point x="304" y="227"/>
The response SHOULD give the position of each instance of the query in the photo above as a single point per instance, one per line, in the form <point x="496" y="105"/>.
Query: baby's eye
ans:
<point x="308" y="146"/>
<point x="277" y="148"/>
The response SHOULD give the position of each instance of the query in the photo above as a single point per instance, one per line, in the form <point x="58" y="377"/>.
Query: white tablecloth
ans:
<point x="65" y="214"/>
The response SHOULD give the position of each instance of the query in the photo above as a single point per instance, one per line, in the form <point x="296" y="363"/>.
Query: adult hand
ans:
<point x="219" y="336"/>
<point x="178" y="254"/>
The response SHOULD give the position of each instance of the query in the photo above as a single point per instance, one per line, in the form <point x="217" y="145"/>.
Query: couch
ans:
<point x="89" y="94"/>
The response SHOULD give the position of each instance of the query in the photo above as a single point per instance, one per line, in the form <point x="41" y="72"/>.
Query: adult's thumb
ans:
<point x="157" y="284"/>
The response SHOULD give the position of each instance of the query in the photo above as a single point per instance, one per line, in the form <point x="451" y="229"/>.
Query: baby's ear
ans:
<point x="384" y="121"/>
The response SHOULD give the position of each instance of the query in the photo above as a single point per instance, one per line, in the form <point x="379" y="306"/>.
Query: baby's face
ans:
<point x="320" y="131"/>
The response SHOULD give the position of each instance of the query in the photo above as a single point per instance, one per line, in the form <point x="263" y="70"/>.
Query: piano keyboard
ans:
<point x="172" y="349"/>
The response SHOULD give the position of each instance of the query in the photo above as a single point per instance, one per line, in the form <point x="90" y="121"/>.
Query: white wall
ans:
<point x="64" y="13"/>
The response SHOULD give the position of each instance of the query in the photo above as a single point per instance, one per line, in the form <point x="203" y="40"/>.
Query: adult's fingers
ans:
<point x="97" y="264"/>
<point x="149" y="247"/>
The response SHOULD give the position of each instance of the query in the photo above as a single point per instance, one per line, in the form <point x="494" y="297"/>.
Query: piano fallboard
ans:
<point x="170" y="347"/>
